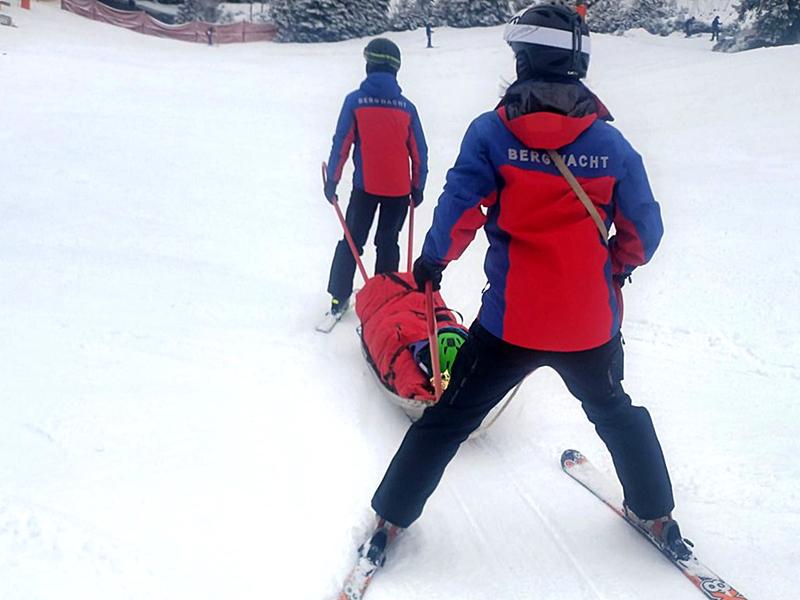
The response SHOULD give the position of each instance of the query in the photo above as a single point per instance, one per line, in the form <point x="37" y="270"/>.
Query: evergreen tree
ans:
<point x="472" y="13"/>
<point x="408" y="14"/>
<point x="369" y="17"/>
<point x="656" y="16"/>
<point x="609" y="16"/>
<point x="768" y="23"/>
<point x="198" y="10"/>
<point x="310" y="20"/>
<point x="329" y="20"/>
<point x="189" y="11"/>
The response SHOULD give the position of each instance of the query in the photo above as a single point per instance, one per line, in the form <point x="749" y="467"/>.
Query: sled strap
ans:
<point x="433" y="340"/>
<point x="579" y="191"/>
<point x="483" y="428"/>
<point x="345" y="228"/>
<point x="410" y="262"/>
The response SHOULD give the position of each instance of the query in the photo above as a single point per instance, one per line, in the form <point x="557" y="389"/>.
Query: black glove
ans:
<point x="416" y="197"/>
<point x="330" y="190"/>
<point x="621" y="278"/>
<point x="425" y="271"/>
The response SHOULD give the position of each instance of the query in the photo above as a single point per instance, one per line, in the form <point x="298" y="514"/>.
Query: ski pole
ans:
<point x="346" y="229"/>
<point x="410" y="234"/>
<point x="433" y="341"/>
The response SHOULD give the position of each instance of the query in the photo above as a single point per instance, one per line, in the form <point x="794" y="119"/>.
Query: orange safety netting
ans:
<point x="196" y="31"/>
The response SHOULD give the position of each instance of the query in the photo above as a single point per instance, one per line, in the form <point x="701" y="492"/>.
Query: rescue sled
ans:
<point x="393" y="316"/>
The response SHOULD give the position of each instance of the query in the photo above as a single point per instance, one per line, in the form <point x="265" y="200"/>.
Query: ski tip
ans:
<point x="570" y="458"/>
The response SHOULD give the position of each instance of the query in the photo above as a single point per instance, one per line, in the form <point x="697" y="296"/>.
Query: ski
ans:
<point x="357" y="582"/>
<point x="328" y="322"/>
<point x="577" y="466"/>
<point x="371" y="556"/>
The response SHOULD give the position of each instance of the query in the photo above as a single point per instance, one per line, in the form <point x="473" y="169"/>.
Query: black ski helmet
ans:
<point x="549" y="39"/>
<point x="382" y="55"/>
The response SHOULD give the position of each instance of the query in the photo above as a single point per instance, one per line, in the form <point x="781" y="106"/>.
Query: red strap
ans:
<point x="433" y="341"/>
<point x="347" y="235"/>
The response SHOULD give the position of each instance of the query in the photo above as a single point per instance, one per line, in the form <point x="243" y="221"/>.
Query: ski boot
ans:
<point x="338" y="307"/>
<point x="664" y="531"/>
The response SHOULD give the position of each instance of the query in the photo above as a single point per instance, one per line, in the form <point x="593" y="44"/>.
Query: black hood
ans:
<point x="560" y="95"/>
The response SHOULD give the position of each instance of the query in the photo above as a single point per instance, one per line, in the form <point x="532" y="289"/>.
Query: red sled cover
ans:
<point x="392" y="315"/>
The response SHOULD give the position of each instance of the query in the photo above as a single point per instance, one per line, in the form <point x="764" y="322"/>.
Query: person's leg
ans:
<point x="359" y="217"/>
<point x="390" y="222"/>
<point x="595" y="378"/>
<point x="485" y="370"/>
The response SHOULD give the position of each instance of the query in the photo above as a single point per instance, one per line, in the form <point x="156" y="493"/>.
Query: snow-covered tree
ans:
<point x="189" y="11"/>
<point x="609" y="16"/>
<point x="656" y="16"/>
<point x="410" y="14"/>
<point x="407" y="15"/>
<point x="369" y="17"/>
<point x="329" y="20"/>
<point x="768" y="23"/>
<point x="472" y="13"/>
<point x="198" y="10"/>
<point x="615" y="16"/>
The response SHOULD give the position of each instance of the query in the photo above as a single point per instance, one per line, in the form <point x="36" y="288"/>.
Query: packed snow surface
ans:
<point x="172" y="427"/>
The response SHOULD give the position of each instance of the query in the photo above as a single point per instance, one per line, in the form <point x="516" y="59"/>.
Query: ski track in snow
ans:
<point x="170" y="424"/>
<point x="550" y="528"/>
<point x="728" y="352"/>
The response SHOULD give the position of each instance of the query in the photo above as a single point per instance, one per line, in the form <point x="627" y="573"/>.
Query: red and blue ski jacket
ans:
<point x="550" y="272"/>
<point x="391" y="156"/>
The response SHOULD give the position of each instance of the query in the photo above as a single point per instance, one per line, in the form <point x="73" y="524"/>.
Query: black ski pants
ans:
<point x="359" y="217"/>
<point x="486" y="369"/>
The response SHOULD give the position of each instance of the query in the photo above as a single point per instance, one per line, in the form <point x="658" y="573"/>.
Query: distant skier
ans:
<point x="688" y="26"/>
<point x="554" y="284"/>
<point x="391" y="163"/>
<point x="429" y="33"/>
<point x="715" y="27"/>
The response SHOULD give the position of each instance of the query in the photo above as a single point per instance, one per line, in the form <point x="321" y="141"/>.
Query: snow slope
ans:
<point x="170" y="424"/>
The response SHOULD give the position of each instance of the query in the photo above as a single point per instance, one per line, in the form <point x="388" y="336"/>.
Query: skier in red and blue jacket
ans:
<point x="554" y="296"/>
<point x="391" y="164"/>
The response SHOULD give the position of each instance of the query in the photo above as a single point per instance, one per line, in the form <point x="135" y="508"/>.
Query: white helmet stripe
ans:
<point x="544" y="36"/>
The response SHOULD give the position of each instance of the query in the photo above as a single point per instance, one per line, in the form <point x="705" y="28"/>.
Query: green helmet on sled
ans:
<point x="450" y="340"/>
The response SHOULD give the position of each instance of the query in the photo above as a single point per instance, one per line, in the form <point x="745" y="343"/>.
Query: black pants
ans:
<point x="360" y="214"/>
<point x="485" y="371"/>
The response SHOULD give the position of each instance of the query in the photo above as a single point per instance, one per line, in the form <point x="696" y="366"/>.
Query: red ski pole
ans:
<point x="410" y="234"/>
<point x="433" y="341"/>
<point x="347" y="235"/>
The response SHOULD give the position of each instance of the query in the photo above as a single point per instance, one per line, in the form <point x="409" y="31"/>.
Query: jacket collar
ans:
<point x="381" y="84"/>
<point x="551" y="113"/>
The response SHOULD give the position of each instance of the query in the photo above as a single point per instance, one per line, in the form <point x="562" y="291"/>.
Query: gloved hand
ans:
<point x="425" y="271"/>
<point x="416" y="197"/>
<point x="621" y="278"/>
<point x="330" y="190"/>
